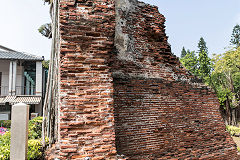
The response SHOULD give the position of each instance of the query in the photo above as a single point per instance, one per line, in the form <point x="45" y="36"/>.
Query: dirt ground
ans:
<point x="237" y="141"/>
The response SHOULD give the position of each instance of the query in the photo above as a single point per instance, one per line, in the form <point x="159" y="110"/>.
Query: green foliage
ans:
<point x="35" y="128"/>
<point x="46" y="30"/>
<point x="190" y="62"/>
<point x="226" y="76"/>
<point x="183" y="53"/>
<point x="228" y="62"/>
<point x="34" y="142"/>
<point x="202" y="46"/>
<point x="5" y="123"/>
<point x="222" y="94"/>
<point x="34" y="149"/>
<point x="235" y="39"/>
<point x="5" y="146"/>
<point x="46" y="64"/>
<point x="233" y="130"/>
<point x="200" y="65"/>
<point x="204" y="64"/>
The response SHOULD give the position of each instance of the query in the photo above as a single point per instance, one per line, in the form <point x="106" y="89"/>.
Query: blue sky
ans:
<point x="186" y="22"/>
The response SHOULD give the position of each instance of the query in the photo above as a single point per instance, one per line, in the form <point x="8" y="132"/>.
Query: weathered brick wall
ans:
<point x="156" y="118"/>
<point x="161" y="111"/>
<point x="86" y="127"/>
<point x="122" y="90"/>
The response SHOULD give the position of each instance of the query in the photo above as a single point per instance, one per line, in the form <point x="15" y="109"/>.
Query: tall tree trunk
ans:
<point x="233" y="101"/>
<point x="228" y="111"/>
<point x="223" y="114"/>
<point x="234" y="118"/>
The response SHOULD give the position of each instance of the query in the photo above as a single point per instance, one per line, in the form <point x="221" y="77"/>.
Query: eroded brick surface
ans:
<point x="161" y="111"/>
<point x="86" y="124"/>
<point x="123" y="91"/>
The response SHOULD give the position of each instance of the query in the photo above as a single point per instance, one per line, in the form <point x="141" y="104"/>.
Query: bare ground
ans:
<point x="236" y="140"/>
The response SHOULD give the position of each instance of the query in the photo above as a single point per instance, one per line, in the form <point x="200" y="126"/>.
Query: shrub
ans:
<point x="5" y="123"/>
<point x="238" y="149"/>
<point x="34" y="141"/>
<point x="5" y="146"/>
<point x="233" y="130"/>
<point x="35" y="128"/>
<point x="34" y="149"/>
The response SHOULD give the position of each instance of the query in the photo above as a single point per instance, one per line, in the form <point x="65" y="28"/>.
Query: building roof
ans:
<point x="6" y="49"/>
<point x="1" y="101"/>
<point x="28" y="99"/>
<point x="9" y="99"/>
<point x="19" y="56"/>
<point x="9" y="54"/>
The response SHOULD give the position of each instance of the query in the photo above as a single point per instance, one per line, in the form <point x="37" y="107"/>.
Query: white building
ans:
<point x="21" y="80"/>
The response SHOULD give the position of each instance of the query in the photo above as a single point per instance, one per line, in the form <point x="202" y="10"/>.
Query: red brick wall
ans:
<point x="161" y="111"/>
<point x="86" y="125"/>
<point x="156" y="118"/>
<point x="116" y="63"/>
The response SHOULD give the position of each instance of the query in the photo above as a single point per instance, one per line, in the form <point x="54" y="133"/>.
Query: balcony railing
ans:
<point x="4" y="90"/>
<point x="20" y="90"/>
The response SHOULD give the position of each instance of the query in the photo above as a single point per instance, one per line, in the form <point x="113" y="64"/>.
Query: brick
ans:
<point x="123" y="92"/>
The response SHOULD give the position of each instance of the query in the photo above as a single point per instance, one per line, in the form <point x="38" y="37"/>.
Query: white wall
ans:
<point x="4" y="68"/>
<point x="38" y="109"/>
<point x="20" y="79"/>
<point x="39" y="78"/>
